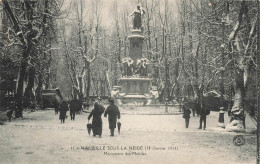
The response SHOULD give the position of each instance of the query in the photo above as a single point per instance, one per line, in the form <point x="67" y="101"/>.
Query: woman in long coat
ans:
<point x="97" y="120"/>
<point x="63" y="110"/>
<point x="113" y="113"/>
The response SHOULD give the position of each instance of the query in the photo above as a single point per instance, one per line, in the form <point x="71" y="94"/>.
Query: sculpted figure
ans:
<point x="137" y="21"/>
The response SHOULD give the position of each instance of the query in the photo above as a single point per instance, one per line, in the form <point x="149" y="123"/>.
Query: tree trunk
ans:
<point x="237" y="111"/>
<point x="19" y="95"/>
<point x="88" y="81"/>
<point x="38" y="91"/>
<point x="24" y="60"/>
<point x="28" y="94"/>
<point x="196" y="74"/>
<point x="81" y="84"/>
<point x="24" y="64"/>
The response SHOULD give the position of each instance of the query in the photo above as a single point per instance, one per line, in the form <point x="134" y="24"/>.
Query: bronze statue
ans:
<point x="137" y="21"/>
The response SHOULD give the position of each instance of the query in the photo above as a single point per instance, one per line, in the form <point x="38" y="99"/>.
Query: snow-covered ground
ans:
<point x="154" y="138"/>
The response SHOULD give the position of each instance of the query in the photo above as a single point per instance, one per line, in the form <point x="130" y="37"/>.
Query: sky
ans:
<point x="107" y="6"/>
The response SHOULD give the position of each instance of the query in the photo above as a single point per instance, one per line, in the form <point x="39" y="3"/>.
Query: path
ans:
<point x="40" y="138"/>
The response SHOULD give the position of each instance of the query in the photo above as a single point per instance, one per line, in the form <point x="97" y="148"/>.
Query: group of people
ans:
<point x="113" y="114"/>
<point x="202" y="112"/>
<point x="73" y="106"/>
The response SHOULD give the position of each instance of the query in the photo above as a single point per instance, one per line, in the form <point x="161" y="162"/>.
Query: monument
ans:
<point x="135" y="81"/>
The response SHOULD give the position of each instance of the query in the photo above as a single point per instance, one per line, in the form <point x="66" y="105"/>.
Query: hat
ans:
<point x="96" y="104"/>
<point x="111" y="101"/>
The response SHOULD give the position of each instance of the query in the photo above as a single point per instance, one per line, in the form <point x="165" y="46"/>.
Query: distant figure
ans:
<point x="186" y="116"/>
<point x="193" y="108"/>
<point x="63" y="110"/>
<point x="203" y="116"/>
<point x="56" y="106"/>
<point x="75" y="106"/>
<point x="97" y="120"/>
<point x="9" y="114"/>
<point x="113" y="114"/>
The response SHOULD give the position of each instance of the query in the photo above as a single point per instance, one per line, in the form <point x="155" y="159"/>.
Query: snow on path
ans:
<point x="41" y="138"/>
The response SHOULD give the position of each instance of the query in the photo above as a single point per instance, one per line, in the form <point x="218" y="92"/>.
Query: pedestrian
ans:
<point x="186" y="116"/>
<point x="9" y="114"/>
<point x="75" y="106"/>
<point x="203" y="116"/>
<point x="56" y="107"/>
<point x="97" y="120"/>
<point x="113" y="114"/>
<point x="63" y="110"/>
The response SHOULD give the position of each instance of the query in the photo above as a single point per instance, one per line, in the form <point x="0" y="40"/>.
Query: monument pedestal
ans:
<point x="135" y="90"/>
<point x="135" y="85"/>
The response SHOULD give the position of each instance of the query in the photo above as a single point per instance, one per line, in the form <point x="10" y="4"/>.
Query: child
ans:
<point x="186" y="116"/>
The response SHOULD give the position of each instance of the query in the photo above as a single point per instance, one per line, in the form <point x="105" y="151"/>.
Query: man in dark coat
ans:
<point x="113" y="113"/>
<point x="186" y="116"/>
<point x="97" y="120"/>
<point x="63" y="110"/>
<point x="203" y="115"/>
<point x="75" y="106"/>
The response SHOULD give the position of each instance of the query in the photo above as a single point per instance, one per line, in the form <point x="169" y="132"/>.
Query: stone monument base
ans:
<point x="135" y="85"/>
<point x="138" y="100"/>
<point x="134" y="91"/>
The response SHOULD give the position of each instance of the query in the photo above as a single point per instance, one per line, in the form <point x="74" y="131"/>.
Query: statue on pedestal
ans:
<point x="142" y="67"/>
<point x="115" y="92"/>
<point x="137" y="20"/>
<point x="124" y="68"/>
<point x="154" y="92"/>
<point x="128" y="66"/>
